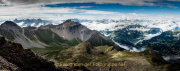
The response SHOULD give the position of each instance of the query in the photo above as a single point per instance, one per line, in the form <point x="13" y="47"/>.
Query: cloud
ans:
<point x="129" y="48"/>
<point x="11" y="12"/>
<point x="173" y="0"/>
<point x="149" y="21"/>
<point x="1" y="2"/>
<point x="63" y="13"/>
<point x="123" y="2"/>
<point x="149" y="36"/>
<point x="97" y="12"/>
<point x="135" y="11"/>
<point x="94" y="25"/>
<point x="80" y="7"/>
<point x="32" y="10"/>
<point x="167" y="4"/>
<point x="140" y="29"/>
<point x="138" y="10"/>
<point x="172" y="6"/>
<point x="85" y="6"/>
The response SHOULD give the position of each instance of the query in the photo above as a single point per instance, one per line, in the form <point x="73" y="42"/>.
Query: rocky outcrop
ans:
<point x="14" y="57"/>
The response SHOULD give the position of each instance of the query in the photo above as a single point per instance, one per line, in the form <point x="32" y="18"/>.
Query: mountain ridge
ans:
<point x="69" y="32"/>
<point x="74" y="30"/>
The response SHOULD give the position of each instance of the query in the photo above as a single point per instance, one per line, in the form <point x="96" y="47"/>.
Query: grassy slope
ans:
<point x="77" y="53"/>
<point x="51" y="51"/>
<point x="85" y="53"/>
<point x="54" y="42"/>
<point x="44" y="35"/>
<point x="80" y="52"/>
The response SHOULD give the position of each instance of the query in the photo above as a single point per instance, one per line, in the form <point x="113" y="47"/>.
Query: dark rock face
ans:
<point x="22" y="59"/>
<point x="5" y="65"/>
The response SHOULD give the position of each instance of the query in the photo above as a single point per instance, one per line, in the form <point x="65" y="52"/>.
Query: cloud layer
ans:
<point x="12" y="12"/>
<point x="123" y="2"/>
<point x="24" y="9"/>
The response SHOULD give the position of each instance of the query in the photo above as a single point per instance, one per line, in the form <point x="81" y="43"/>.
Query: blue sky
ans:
<point x="160" y="10"/>
<point x="64" y="9"/>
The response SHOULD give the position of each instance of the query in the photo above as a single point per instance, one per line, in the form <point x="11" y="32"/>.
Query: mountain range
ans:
<point x="131" y="33"/>
<point x="71" y="42"/>
<point x="55" y="37"/>
<point x="32" y="22"/>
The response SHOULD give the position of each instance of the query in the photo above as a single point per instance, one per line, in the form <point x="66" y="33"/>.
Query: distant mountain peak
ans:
<point x="69" y="22"/>
<point x="31" y="22"/>
<point x="9" y="23"/>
